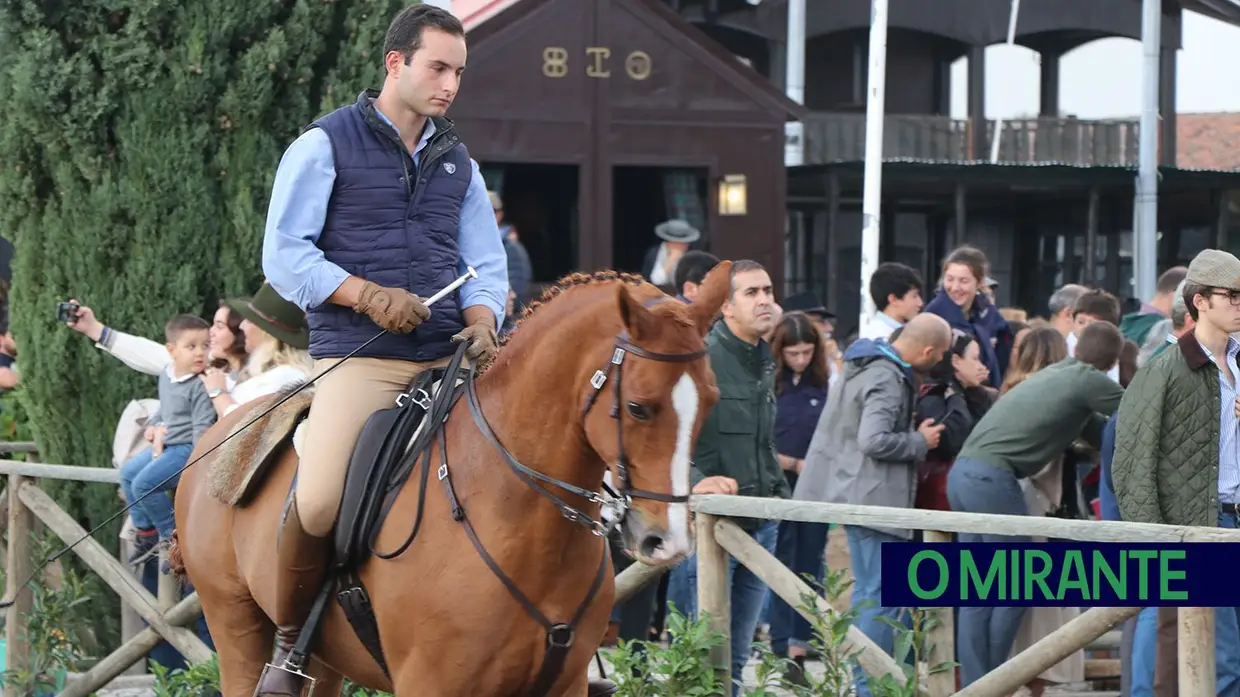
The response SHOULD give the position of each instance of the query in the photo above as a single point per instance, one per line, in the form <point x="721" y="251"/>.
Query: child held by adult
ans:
<point x="185" y="413"/>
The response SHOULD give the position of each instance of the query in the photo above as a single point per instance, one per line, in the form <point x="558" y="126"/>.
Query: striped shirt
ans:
<point x="1229" y="427"/>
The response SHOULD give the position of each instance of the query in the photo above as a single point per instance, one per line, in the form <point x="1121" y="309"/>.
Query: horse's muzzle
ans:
<point x="655" y="544"/>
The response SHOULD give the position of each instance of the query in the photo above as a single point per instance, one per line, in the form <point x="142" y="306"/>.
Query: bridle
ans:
<point x="623" y="497"/>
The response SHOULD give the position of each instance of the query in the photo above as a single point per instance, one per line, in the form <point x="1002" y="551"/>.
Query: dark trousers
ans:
<point x="801" y="547"/>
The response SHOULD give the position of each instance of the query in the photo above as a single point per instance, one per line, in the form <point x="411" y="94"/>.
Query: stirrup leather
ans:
<point x="289" y="667"/>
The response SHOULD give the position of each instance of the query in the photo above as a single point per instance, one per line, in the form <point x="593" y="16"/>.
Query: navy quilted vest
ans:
<point x="393" y="225"/>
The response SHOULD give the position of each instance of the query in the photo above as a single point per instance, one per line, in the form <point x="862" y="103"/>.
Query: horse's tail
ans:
<point x="175" y="561"/>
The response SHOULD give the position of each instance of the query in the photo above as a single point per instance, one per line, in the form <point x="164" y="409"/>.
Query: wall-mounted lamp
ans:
<point x="733" y="195"/>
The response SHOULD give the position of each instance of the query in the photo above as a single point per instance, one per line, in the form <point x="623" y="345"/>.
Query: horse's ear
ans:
<point x="637" y="319"/>
<point x="712" y="293"/>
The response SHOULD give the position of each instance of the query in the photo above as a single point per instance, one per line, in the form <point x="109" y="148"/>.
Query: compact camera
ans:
<point x="67" y="312"/>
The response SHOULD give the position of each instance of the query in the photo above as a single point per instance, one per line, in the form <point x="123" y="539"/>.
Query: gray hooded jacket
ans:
<point x="866" y="446"/>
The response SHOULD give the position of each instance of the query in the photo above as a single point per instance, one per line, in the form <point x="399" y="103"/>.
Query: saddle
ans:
<point x="389" y="448"/>
<point x="386" y="453"/>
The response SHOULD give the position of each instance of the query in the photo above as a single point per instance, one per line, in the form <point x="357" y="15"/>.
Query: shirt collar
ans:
<point x="170" y="370"/>
<point x="427" y="132"/>
<point x="1233" y="348"/>
<point x="888" y="320"/>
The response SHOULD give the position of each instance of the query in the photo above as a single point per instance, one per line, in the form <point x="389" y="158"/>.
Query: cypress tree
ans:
<point x="139" y="145"/>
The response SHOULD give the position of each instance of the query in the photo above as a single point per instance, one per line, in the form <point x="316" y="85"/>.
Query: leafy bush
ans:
<point x="139" y="145"/>
<point x="683" y="668"/>
<point x="14" y="422"/>
<point x="195" y="680"/>
<point x="56" y="630"/>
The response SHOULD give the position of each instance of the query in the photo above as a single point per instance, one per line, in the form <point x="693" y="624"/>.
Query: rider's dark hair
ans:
<point x="404" y="34"/>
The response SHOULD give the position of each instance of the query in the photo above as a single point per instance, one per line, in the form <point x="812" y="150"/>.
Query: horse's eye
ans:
<point x="639" y="411"/>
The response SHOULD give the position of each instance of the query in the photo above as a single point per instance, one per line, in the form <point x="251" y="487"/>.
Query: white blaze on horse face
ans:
<point x="685" y="403"/>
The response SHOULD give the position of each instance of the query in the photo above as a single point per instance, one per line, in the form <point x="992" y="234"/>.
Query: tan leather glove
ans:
<point x="395" y="309"/>
<point x="486" y="342"/>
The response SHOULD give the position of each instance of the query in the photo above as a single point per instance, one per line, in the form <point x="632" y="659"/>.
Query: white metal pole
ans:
<point x="794" y="82"/>
<point x="872" y="191"/>
<point x="1011" y="40"/>
<point x="1145" y="241"/>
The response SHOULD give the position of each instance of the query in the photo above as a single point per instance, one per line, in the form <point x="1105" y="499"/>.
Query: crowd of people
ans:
<point x="947" y="404"/>
<point x="962" y="405"/>
<point x="951" y="403"/>
<point x="253" y="347"/>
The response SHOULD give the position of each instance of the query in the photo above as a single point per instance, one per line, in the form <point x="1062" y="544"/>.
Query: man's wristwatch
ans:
<point x="215" y="393"/>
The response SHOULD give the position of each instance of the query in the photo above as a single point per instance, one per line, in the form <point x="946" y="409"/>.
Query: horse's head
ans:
<point x="651" y="405"/>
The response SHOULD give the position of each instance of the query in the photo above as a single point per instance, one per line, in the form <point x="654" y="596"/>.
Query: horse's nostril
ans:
<point x="650" y="544"/>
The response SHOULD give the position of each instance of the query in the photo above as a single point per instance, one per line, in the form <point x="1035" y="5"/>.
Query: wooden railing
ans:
<point x="717" y="537"/>
<point x="165" y="616"/>
<point x="840" y="137"/>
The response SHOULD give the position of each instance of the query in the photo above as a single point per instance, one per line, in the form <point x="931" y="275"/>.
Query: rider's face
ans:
<point x="428" y="81"/>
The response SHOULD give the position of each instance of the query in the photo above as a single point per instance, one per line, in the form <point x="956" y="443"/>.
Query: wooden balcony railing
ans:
<point x="839" y="137"/>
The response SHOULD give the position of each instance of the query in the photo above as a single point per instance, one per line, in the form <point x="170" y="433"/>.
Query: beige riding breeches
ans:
<point x="343" y="401"/>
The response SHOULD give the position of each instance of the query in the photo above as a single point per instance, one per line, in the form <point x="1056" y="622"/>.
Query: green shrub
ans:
<point x="139" y="145"/>
<point x="195" y="680"/>
<point x="55" y="629"/>
<point x="683" y="668"/>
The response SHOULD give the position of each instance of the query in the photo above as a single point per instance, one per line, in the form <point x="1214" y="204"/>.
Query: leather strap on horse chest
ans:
<point x="560" y="636"/>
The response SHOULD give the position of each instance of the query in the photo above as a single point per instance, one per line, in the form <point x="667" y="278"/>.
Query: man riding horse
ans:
<point x="376" y="206"/>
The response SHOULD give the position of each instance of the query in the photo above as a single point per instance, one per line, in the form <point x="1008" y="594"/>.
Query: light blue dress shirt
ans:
<point x="1229" y="425"/>
<point x="297" y="268"/>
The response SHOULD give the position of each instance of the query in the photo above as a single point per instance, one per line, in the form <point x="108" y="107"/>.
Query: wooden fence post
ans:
<point x="941" y="639"/>
<point x="1196" y="642"/>
<point x="18" y="567"/>
<point x="131" y="621"/>
<point x="715" y="597"/>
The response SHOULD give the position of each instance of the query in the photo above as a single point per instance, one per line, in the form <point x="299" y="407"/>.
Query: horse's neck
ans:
<point x="541" y="432"/>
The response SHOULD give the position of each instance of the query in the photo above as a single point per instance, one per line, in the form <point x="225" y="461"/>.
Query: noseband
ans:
<point x="626" y="493"/>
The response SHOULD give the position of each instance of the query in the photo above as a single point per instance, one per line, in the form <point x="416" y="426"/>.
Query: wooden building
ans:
<point x="595" y="120"/>
<point x="1062" y="189"/>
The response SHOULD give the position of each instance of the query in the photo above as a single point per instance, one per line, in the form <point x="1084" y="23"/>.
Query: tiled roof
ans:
<point x="475" y="12"/>
<point x="1208" y="141"/>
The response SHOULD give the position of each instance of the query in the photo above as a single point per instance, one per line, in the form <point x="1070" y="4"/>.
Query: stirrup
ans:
<point x="285" y="667"/>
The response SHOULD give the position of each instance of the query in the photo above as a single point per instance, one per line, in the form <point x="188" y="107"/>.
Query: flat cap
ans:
<point x="1216" y="269"/>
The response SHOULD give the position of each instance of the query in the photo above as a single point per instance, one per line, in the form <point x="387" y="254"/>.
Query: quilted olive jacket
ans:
<point x="1166" y="442"/>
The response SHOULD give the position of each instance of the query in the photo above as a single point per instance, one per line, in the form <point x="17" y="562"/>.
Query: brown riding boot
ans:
<point x="602" y="688"/>
<point x="302" y="561"/>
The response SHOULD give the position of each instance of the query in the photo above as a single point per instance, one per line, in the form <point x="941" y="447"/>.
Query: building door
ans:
<point x="541" y="202"/>
<point x="643" y="197"/>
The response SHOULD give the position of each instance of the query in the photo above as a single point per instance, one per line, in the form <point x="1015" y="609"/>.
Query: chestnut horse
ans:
<point x="604" y="373"/>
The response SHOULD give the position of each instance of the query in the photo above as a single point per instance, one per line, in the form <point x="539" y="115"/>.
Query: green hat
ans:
<point x="274" y="315"/>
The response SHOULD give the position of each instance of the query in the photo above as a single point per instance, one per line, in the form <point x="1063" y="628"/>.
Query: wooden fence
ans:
<point x="28" y="506"/>
<point x="165" y="616"/>
<point x="717" y="537"/>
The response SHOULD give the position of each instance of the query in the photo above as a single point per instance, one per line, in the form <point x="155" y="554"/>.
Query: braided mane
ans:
<point x="573" y="280"/>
